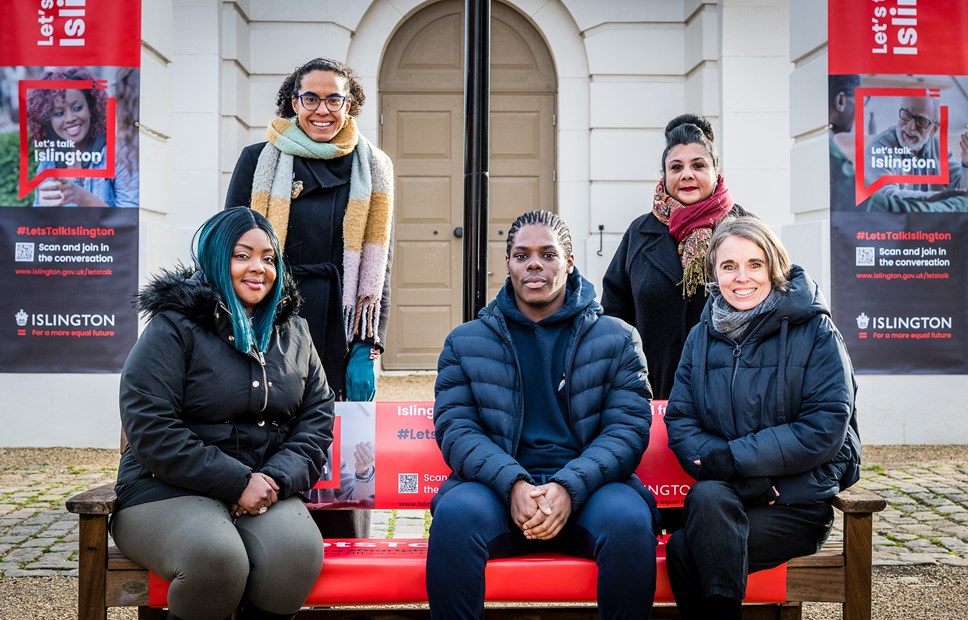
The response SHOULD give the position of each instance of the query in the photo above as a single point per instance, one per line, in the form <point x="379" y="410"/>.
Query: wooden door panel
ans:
<point x="521" y="166"/>
<point x="427" y="199"/>
<point x="423" y="136"/>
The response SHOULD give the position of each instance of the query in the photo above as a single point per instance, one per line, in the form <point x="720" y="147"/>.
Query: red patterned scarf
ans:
<point x="692" y="226"/>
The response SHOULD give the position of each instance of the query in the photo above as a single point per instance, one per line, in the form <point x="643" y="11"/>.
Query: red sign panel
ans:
<point x="70" y="32"/>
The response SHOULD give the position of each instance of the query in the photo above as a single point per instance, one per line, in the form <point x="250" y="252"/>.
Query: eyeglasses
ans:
<point x="311" y="101"/>
<point x="920" y="121"/>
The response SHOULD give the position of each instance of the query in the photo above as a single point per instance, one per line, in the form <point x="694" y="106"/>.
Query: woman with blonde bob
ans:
<point x="762" y="415"/>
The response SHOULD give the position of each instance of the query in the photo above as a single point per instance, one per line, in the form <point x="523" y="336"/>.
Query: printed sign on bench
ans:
<point x="408" y="468"/>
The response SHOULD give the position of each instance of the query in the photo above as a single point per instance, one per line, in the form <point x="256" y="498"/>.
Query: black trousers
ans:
<point x="723" y="541"/>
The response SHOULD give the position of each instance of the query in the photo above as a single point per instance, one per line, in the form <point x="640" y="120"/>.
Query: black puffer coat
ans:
<point x="479" y="410"/>
<point x="200" y="416"/>
<point x="782" y="400"/>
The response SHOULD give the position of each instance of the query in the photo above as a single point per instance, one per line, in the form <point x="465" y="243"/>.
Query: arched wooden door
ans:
<point x="422" y="110"/>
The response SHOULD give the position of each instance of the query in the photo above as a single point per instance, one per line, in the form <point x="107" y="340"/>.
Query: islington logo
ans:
<point x="890" y="323"/>
<point x="64" y="320"/>
<point x="904" y="327"/>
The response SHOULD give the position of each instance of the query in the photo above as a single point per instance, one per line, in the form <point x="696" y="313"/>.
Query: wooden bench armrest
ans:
<point x="854" y="500"/>
<point x="97" y="501"/>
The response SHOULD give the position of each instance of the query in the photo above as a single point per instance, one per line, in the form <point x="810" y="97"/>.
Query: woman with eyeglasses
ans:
<point x="329" y="194"/>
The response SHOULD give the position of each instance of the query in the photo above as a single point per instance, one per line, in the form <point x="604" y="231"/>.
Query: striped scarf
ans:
<point x="366" y="224"/>
<point x="692" y="226"/>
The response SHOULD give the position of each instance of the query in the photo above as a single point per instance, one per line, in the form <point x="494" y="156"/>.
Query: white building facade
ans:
<point x="619" y="70"/>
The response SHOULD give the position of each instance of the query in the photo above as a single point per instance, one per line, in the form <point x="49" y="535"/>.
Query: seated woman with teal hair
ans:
<point x="229" y="417"/>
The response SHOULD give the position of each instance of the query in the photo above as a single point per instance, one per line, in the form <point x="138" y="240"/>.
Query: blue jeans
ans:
<point x="472" y="524"/>
<point x="723" y="541"/>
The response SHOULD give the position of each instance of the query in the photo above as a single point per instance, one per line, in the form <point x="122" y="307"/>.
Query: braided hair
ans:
<point x="290" y="86"/>
<point x="541" y="218"/>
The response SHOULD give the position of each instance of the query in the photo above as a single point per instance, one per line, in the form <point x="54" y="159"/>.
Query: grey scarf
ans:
<point x="733" y="323"/>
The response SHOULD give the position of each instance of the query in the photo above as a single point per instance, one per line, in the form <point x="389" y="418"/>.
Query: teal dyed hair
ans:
<point x="214" y="244"/>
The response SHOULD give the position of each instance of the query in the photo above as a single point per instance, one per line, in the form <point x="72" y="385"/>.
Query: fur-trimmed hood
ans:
<point x="188" y="292"/>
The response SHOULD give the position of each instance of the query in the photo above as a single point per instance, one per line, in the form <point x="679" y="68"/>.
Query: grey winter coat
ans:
<point x="479" y="409"/>
<point x="201" y="417"/>
<point x="782" y="400"/>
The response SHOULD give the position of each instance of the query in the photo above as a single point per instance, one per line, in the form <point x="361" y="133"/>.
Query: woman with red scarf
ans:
<point x="656" y="280"/>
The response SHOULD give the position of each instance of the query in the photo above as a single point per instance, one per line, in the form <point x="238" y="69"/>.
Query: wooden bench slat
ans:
<point x="127" y="588"/>
<point x="831" y="554"/>
<point x="854" y="500"/>
<point x="97" y="501"/>
<point x="816" y="584"/>
<point x="119" y="561"/>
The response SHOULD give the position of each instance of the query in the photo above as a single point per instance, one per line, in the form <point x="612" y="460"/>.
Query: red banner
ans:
<point x="898" y="161"/>
<point x="898" y="36"/>
<point x="70" y="196"/>
<point x="70" y="32"/>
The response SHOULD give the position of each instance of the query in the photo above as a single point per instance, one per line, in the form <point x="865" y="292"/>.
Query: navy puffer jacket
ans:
<point x="479" y="409"/>
<point x="782" y="400"/>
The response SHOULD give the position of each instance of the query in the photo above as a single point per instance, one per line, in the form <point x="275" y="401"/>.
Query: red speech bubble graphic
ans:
<point x="862" y="191"/>
<point x="27" y="184"/>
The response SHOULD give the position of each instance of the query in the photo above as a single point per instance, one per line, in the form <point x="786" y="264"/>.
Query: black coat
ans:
<point x="200" y="416"/>
<point x="641" y="287"/>
<point x="782" y="400"/>
<point x="314" y="250"/>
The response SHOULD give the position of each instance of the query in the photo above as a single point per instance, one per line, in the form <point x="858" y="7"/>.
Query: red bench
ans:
<point x="388" y="573"/>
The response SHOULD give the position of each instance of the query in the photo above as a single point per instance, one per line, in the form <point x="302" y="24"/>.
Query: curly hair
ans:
<point x="690" y="129"/>
<point x="42" y="101"/>
<point x="290" y="86"/>
<point x="541" y="218"/>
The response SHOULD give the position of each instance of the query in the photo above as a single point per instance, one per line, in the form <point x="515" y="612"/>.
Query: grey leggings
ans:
<point x="271" y="560"/>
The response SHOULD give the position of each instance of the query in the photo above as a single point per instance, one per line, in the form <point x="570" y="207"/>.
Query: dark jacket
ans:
<point x="479" y="412"/>
<point x="641" y="287"/>
<point x="314" y="249"/>
<point x="782" y="400"/>
<point x="200" y="416"/>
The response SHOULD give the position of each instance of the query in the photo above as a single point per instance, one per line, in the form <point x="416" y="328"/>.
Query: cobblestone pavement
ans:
<point x="926" y="521"/>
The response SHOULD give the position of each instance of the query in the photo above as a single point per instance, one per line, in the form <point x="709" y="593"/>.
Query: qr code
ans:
<point x="407" y="483"/>
<point x="24" y="252"/>
<point x="865" y="257"/>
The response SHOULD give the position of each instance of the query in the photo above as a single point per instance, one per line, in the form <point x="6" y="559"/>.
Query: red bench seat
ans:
<point x="392" y="571"/>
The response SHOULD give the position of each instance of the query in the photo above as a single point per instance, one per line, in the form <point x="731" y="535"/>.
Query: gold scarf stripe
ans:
<point x="354" y="224"/>
<point x="378" y="227"/>
<point x="367" y="221"/>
